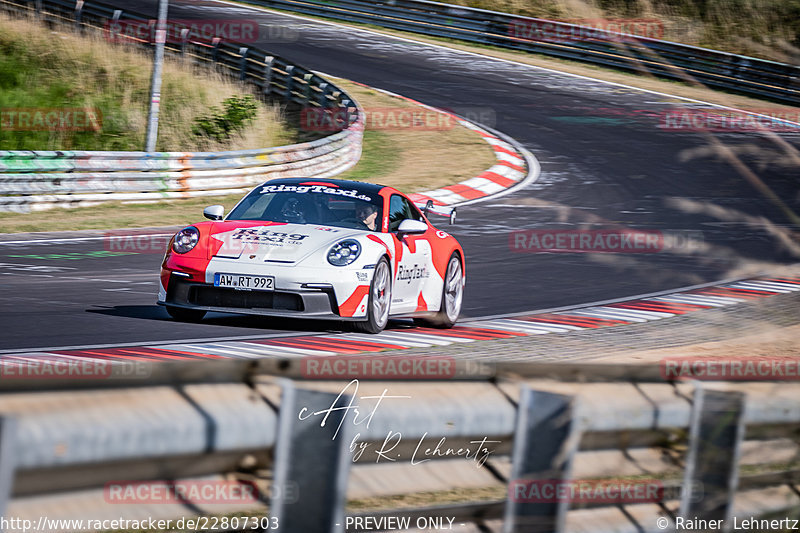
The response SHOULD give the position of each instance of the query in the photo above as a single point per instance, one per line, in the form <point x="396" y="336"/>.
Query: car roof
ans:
<point x="360" y="186"/>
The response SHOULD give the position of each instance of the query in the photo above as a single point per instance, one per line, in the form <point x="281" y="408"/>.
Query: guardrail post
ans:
<point x="323" y="95"/>
<point x="716" y="431"/>
<point x="268" y="60"/>
<point x="243" y="63"/>
<point x="312" y="460"/>
<point x="38" y="8"/>
<point x="289" y="82"/>
<point x="184" y="40"/>
<point x="113" y="27"/>
<point x="78" y="13"/>
<point x="307" y="88"/>
<point x="7" y="439"/>
<point x="346" y="103"/>
<point x="545" y="442"/>
<point x="215" y="50"/>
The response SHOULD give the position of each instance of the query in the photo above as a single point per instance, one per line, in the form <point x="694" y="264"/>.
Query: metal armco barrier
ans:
<point x="747" y="75"/>
<point x="45" y="179"/>
<point x="708" y="450"/>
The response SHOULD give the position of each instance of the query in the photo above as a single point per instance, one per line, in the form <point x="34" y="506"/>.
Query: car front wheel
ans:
<point x="380" y="298"/>
<point x="452" y="296"/>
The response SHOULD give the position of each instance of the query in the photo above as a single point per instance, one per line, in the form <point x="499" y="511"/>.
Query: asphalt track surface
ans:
<point x="604" y="160"/>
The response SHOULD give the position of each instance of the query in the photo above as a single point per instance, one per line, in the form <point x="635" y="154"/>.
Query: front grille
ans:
<point x="217" y="297"/>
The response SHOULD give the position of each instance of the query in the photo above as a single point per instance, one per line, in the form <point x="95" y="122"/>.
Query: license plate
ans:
<point x="244" y="282"/>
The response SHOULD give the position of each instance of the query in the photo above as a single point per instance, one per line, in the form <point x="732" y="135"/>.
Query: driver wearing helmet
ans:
<point x="292" y="211"/>
<point x="368" y="215"/>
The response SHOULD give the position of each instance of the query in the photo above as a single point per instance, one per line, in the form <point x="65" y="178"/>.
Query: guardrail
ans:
<point x="746" y="75"/>
<point x="44" y="179"/>
<point x="704" y="451"/>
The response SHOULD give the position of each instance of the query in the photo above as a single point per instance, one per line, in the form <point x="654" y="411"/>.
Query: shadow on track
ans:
<point x="262" y="323"/>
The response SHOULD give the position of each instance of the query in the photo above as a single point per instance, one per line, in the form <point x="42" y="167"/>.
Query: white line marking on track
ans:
<point x="495" y="324"/>
<point x="381" y="338"/>
<point x="760" y="287"/>
<point x="75" y="239"/>
<point x="775" y="284"/>
<point x="716" y="301"/>
<point x="637" y="312"/>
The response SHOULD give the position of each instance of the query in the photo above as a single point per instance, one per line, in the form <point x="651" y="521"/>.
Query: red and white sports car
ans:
<point x="317" y="249"/>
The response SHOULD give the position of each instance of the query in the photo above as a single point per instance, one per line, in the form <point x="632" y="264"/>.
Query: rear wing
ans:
<point x="442" y="210"/>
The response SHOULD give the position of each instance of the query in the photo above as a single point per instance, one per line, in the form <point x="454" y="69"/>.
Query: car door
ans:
<point x="413" y="260"/>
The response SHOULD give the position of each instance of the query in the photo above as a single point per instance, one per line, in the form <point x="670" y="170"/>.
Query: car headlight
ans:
<point x="344" y="252"/>
<point x="185" y="240"/>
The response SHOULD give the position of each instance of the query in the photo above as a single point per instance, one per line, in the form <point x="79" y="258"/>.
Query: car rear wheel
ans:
<point x="185" y="315"/>
<point x="380" y="298"/>
<point x="452" y="296"/>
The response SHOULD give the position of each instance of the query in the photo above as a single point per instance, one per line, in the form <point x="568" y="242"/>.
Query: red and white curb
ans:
<point x="510" y="170"/>
<point x="514" y="165"/>
<point x="638" y="310"/>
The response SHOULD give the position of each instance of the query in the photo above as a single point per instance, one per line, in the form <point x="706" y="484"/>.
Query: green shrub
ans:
<point x="238" y="112"/>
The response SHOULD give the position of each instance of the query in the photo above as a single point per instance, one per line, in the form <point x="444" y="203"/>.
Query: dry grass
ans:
<point x="94" y="73"/>
<point x="408" y="160"/>
<point x="765" y="341"/>
<point x="761" y="28"/>
<point x="419" y="159"/>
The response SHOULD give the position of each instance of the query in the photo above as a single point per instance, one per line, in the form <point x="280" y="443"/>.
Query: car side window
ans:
<point x="401" y="209"/>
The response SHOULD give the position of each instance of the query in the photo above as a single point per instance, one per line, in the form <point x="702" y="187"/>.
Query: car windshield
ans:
<point x="312" y="204"/>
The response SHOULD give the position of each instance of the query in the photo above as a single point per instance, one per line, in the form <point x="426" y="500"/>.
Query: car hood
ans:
<point x="272" y="242"/>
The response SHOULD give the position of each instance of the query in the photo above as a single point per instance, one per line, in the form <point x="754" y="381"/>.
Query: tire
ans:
<point x="452" y="296"/>
<point x="380" y="299"/>
<point x="182" y="314"/>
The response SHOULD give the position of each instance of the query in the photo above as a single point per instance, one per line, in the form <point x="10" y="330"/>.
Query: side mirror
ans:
<point x="428" y="206"/>
<point x="412" y="227"/>
<point x="453" y="216"/>
<point x="214" y="212"/>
